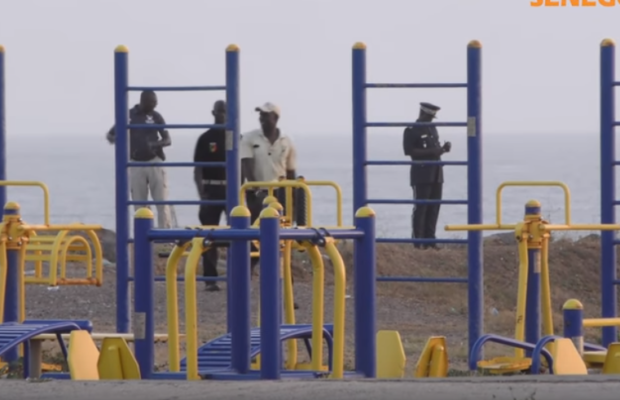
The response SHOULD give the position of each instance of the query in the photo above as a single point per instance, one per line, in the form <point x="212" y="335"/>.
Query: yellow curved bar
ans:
<point x="172" y="305"/>
<point x="61" y="227"/>
<point x="501" y="187"/>
<point x="600" y="322"/>
<point x="340" y="283"/>
<point x="55" y="253"/>
<point x="191" y="313"/>
<point x="545" y="288"/>
<point x="289" y="303"/>
<point x="521" y="291"/>
<point x="98" y="256"/>
<point x="46" y="195"/>
<point x="280" y="184"/>
<point x="338" y="197"/>
<point x="64" y="254"/>
<point x="3" y="272"/>
<point x="318" y="299"/>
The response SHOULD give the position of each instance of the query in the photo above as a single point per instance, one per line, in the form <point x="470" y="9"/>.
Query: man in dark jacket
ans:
<point x="146" y="145"/>
<point x="421" y="143"/>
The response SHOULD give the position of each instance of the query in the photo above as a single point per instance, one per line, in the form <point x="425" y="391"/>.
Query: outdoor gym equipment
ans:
<point x="237" y="349"/>
<point x="473" y="123"/>
<point x="532" y="236"/>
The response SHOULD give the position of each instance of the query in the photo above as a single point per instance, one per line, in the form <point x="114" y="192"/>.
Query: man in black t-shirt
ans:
<point x="211" y="183"/>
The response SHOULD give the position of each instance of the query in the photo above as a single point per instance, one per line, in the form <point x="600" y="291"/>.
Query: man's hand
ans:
<point x="447" y="146"/>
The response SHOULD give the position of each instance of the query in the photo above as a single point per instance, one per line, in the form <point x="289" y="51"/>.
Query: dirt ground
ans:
<point x="416" y="310"/>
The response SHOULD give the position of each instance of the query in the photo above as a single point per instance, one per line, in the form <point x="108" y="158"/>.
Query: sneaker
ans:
<point x="212" y="287"/>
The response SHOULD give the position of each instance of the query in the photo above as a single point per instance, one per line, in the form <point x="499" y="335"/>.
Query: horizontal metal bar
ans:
<point x="615" y="163"/>
<point x="176" y="126"/>
<point x="182" y="279"/>
<point x="615" y="84"/>
<point x="176" y="164"/>
<point x="421" y="241"/>
<point x="616" y="202"/>
<point x="416" y="162"/>
<point x="407" y="124"/>
<point x="616" y="123"/>
<point x="178" y="202"/>
<point x="176" y="88"/>
<point x="394" y="201"/>
<point x="616" y="282"/>
<point x="414" y="85"/>
<point x="616" y="242"/>
<point x="250" y="234"/>
<point x="420" y="279"/>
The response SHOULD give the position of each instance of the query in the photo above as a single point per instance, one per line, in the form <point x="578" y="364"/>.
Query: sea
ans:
<point x="79" y="172"/>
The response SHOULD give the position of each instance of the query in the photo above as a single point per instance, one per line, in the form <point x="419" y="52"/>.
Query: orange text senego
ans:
<point x="574" y="3"/>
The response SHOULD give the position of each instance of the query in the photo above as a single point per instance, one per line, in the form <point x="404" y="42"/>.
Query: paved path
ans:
<point x="526" y="388"/>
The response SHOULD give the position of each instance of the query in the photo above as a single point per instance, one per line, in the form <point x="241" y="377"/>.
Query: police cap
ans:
<point x="429" y="108"/>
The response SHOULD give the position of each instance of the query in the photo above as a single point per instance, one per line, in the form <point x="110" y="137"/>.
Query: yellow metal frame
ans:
<point x="533" y="233"/>
<point x="46" y="195"/>
<point x="289" y="184"/>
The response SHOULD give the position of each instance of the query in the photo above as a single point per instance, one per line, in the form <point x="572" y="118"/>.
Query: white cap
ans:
<point x="269" y="107"/>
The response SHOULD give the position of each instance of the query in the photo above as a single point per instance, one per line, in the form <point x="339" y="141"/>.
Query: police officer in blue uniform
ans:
<point x="421" y="143"/>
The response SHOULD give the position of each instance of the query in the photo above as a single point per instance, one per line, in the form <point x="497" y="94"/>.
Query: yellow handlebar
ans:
<point x="46" y="195"/>
<point x="498" y="197"/>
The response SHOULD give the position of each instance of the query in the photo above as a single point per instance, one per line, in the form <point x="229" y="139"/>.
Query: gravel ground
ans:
<point x="554" y="387"/>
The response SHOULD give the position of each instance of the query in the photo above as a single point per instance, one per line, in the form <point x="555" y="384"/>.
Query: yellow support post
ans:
<point x="191" y="306"/>
<point x="172" y="305"/>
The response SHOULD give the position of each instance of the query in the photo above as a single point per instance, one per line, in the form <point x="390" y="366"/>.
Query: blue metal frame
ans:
<point x="2" y="130"/>
<point x="474" y="171"/>
<point x="609" y="278"/>
<point x="121" y="61"/>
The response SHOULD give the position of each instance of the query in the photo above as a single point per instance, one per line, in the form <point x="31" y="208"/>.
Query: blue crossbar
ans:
<point x="176" y="88"/>
<point x="407" y="124"/>
<point x="176" y="164"/>
<point x="178" y="202"/>
<point x="414" y="85"/>
<point x="396" y="201"/>
<point x="176" y="126"/>
<point x="416" y="162"/>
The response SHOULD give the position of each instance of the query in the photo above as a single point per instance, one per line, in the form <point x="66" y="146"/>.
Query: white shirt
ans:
<point x="271" y="160"/>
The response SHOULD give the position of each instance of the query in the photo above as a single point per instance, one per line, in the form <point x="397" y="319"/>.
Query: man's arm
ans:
<point x="291" y="163"/>
<point x="165" y="140"/>
<point x="110" y="135"/>
<point x="198" y="170"/>
<point x="246" y="153"/>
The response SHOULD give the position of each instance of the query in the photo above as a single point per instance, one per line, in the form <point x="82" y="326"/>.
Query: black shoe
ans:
<point x="212" y="287"/>
<point x="296" y="306"/>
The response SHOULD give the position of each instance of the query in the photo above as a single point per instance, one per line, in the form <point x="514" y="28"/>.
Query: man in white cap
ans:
<point x="421" y="143"/>
<point x="266" y="156"/>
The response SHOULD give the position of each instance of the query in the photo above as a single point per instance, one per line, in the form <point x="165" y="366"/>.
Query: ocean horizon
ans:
<point x="79" y="171"/>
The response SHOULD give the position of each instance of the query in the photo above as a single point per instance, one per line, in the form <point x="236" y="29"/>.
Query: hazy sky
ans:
<point x="540" y="69"/>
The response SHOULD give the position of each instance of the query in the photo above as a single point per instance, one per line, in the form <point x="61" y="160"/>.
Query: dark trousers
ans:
<point x="210" y="215"/>
<point x="424" y="217"/>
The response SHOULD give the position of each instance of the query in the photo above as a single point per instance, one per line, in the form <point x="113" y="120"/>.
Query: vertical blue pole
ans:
<point x="2" y="130"/>
<point x="240" y="302"/>
<point x="232" y="159"/>
<point x="360" y="184"/>
<point x="573" y="323"/>
<point x="532" y="302"/>
<point x="609" y="297"/>
<point x="365" y="275"/>
<point x="271" y="352"/>
<point x="475" y="296"/>
<point x="121" y="112"/>
<point x="12" y="290"/>
<point x="144" y="297"/>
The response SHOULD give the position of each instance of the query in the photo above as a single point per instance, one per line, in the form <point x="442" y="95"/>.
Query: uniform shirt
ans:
<point x="423" y="137"/>
<point x="271" y="161"/>
<point x="211" y="147"/>
<point x="139" y="139"/>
